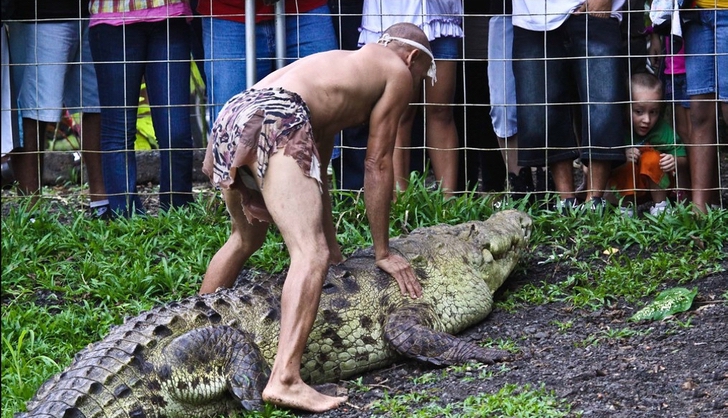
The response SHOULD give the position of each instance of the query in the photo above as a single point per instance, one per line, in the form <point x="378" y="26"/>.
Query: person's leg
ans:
<point x="245" y="239"/>
<point x="545" y="133"/>
<point x="700" y="35"/>
<point x="91" y="149"/>
<point x="502" y="89"/>
<point x="310" y="33"/>
<point x="442" y="135"/>
<point x="300" y="223"/>
<point x="119" y="73"/>
<point x="167" y="76"/>
<point x="82" y="95"/>
<point x="600" y="79"/>
<point x="224" y="45"/>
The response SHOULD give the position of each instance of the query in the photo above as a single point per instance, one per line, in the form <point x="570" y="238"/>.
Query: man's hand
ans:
<point x="632" y="154"/>
<point x="667" y="163"/>
<point x="402" y="271"/>
<point x="596" y="8"/>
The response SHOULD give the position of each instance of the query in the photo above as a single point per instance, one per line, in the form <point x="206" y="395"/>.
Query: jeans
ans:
<point x="224" y="44"/>
<point x="545" y="87"/>
<point x="501" y="83"/>
<point x="706" y="50"/>
<point x="158" y="52"/>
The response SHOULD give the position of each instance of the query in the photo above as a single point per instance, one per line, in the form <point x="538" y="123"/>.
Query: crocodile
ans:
<point x="210" y="354"/>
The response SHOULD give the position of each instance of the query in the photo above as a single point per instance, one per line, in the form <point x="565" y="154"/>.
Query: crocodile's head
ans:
<point x="486" y="250"/>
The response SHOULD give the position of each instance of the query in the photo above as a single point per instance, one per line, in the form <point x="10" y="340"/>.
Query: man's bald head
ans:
<point x="410" y="37"/>
<point x="409" y="31"/>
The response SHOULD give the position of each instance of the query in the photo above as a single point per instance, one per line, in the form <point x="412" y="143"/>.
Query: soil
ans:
<point x="665" y="369"/>
<point x="672" y="368"/>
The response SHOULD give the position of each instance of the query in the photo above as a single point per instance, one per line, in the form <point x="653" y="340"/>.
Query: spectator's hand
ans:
<point x="632" y="154"/>
<point x="403" y="273"/>
<point x="596" y="8"/>
<point x="655" y="50"/>
<point x="667" y="163"/>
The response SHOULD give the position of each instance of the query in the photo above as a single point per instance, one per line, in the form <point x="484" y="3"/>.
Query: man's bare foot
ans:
<point x="300" y="396"/>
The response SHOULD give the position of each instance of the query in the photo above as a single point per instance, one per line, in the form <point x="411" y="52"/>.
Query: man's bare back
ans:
<point x="341" y="88"/>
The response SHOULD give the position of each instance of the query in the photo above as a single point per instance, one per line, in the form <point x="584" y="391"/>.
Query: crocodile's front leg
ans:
<point x="410" y="332"/>
<point x="201" y="367"/>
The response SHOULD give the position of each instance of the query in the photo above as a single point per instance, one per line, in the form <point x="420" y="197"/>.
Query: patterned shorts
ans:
<point x="250" y="128"/>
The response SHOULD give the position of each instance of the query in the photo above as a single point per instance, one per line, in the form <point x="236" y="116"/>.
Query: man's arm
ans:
<point x="379" y="181"/>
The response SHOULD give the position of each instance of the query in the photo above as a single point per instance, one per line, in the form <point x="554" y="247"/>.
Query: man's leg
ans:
<point x="597" y="178"/>
<point x="91" y="149"/>
<point x="295" y="203"/>
<point x="563" y="174"/>
<point x="244" y="240"/>
<point x="702" y="151"/>
<point x="28" y="163"/>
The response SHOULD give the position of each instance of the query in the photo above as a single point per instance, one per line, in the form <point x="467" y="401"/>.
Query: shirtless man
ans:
<point x="295" y="112"/>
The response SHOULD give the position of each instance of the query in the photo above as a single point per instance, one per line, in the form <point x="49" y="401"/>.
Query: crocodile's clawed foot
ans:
<point x="490" y="356"/>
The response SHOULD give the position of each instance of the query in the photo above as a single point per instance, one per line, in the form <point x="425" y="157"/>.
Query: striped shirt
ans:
<point x="125" y="6"/>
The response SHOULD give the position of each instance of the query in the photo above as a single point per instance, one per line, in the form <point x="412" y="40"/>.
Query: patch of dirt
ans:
<point x="671" y="368"/>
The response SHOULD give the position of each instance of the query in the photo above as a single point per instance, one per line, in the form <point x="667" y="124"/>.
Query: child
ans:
<point x="657" y="152"/>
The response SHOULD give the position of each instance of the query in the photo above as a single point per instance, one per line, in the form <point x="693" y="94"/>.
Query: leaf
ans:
<point x="668" y="302"/>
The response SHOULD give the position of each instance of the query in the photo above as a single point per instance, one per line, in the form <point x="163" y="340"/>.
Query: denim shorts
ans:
<point x="446" y="48"/>
<point x="52" y="69"/>
<point x="501" y="82"/>
<point x="546" y="89"/>
<point x="706" y="50"/>
<point x="676" y="90"/>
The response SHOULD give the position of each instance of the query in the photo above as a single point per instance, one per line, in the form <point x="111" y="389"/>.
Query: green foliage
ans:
<point x="509" y="401"/>
<point x="67" y="279"/>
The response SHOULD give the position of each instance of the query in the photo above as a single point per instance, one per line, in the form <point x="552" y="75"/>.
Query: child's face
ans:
<point x="645" y="109"/>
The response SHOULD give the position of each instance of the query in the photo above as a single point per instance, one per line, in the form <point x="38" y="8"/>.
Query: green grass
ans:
<point x="67" y="279"/>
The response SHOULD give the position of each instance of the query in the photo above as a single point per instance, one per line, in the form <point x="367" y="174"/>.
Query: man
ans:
<point x="550" y="42"/>
<point x="296" y="112"/>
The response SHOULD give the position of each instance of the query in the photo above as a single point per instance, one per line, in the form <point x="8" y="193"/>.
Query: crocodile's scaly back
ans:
<point x="210" y="354"/>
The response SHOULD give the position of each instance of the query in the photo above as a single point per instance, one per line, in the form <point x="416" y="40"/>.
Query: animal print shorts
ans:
<point x="250" y="128"/>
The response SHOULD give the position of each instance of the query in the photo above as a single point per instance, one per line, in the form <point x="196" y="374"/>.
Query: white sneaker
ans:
<point x="658" y="208"/>
<point x="627" y="212"/>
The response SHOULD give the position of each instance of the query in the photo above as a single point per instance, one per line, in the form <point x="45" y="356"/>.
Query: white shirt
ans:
<point x="546" y="15"/>
<point x="437" y="18"/>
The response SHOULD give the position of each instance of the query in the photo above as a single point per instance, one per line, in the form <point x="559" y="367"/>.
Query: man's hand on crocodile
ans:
<point x="399" y="268"/>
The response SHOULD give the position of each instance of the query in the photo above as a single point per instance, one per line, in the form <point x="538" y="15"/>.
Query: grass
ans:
<point x="67" y="279"/>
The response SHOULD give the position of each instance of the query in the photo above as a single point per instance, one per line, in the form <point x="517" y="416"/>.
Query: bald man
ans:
<point x="268" y="152"/>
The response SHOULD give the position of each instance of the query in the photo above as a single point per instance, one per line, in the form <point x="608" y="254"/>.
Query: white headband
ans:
<point x="432" y="72"/>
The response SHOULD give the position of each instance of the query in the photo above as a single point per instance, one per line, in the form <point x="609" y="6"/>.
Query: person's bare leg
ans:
<point x="442" y="134"/>
<point x="28" y="163"/>
<point x="509" y="152"/>
<point x="91" y="150"/>
<point x="244" y="240"/>
<point x="295" y="203"/>
<point x="597" y="178"/>
<point x="702" y="150"/>
<point x="563" y="178"/>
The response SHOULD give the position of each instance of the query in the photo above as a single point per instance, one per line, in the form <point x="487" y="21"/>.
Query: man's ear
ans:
<point x="412" y="57"/>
